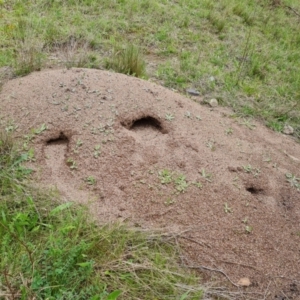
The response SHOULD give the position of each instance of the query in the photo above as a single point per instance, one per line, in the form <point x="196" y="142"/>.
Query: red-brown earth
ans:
<point x="136" y="152"/>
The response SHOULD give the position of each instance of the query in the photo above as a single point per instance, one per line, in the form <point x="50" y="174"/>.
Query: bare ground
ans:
<point x="115" y="141"/>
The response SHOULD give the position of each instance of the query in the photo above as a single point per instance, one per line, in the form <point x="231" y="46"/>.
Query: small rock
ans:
<point x="244" y="282"/>
<point x="288" y="129"/>
<point x="213" y="102"/>
<point x="193" y="92"/>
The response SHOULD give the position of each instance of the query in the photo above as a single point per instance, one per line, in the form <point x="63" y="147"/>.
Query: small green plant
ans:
<point x="40" y="130"/>
<point x="127" y="61"/>
<point x="293" y="180"/>
<point x="169" y="201"/>
<point x="248" y="229"/>
<point x="169" y="117"/>
<point x="72" y="163"/>
<point x="198" y="185"/>
<point x="181" y="184"/>
<point x="229" y="131"/>
<point x="188" y="115"/>
<point x="79" y="143"/>
<point x="97" y="151"/>
<point x="211" y="144"/>
<point x="165" y="176"/>
<point x="248" y="124"/>
<point x="254" y="171"/>
<point x="205" y="175"/>
<point x="90" y="180"/>
<point x="227" y="209"/>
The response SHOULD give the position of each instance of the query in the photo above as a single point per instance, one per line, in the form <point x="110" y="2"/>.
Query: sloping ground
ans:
<point x="227" y="188"/>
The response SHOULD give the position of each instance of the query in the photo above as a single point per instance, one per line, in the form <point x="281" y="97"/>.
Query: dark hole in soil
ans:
<point x="143" y="123"/>
<point x="254" y="190"/>
<point x="61" y="139"/>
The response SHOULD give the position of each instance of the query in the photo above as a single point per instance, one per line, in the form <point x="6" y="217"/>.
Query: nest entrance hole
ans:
<point x="142" y="123"/>
<point x="61" y="139"/>
<point x="254" y="190"/>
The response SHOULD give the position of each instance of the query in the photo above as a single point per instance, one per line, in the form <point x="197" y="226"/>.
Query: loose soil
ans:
<point x="114" y="142"/>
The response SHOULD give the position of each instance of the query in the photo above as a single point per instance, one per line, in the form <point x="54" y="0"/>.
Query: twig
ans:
<point x="293" y="10"/>
<point x="196" y="242"/>
<point x="213" y="270"/>
<point x="235" y="263"/>
<point x="266" y="292"/>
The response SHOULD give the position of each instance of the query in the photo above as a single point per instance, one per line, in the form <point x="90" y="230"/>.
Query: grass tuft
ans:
<point x="52" y="250"/>
<point x="127" y="61"/>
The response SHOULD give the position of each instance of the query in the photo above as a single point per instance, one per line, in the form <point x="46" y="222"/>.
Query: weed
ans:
<point x="248" y="229"/>
<point x="252" y="170"/>
<point x="248" y="124"/>
<point x="293" y="180"/>
<point x="229" y="131"/>
<point x="227" y="209"/>
<point x="79" y="143"/>
<point x="169" y="201"/>
<point x="97" y="151"/>
<point x="211" y="144"/>
<point x="40" y="130"/>
<point x="205" y="175"/>
<point x="198" y="185"/>
<point x="72" y="163"/>
<point x="90" y="180"/>
<point x="165" y="176"/>
<point x="169" y="117"/>
<point x="181" y="184"/>
<point x="127" y="61"/>
<point x="188" y="114"/>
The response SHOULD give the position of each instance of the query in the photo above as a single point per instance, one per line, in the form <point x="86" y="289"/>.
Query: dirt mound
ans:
<point x="226" y="187"/>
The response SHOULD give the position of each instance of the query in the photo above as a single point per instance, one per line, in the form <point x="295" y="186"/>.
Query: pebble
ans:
<point x="213" y="102"/>
<point x="193" y="92"/>
<point x="244" y="282"/>
<point x="288" y="129"/>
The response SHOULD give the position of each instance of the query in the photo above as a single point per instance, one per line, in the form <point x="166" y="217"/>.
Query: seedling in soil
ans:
<point x="248" y="124"/>
<point x="40" y="130"/>
<point x="71" y="163"/>
<point x="248" y="229"/>
<point x="90" y="180"/>
<point x="198" y="118"/>
<point x="180" y="184"/>
<point x="169" y="201"/>
<point x="229" y="131"/>
<point x="165" y="176"/>
<point x="169" y="117"/>
<point x="79" y="143"/>
<point x="250" y="169"/>
<point x="227" y="209"/>
<point x="205" y="175"/>
<point x="97" y="151"/>
<point x="267" y="159"/>
<point x="211" y="145"/>
<point x="293" y="180"/>
<point x="198" y="184"/>
<point x="11" y="127"/>
<point x="245" y="221"/>
<point x="188" y="114"/>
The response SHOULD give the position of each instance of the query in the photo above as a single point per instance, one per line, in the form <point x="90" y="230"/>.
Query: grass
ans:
<point x="52" y="250"/>
<point x="243" y="53"/>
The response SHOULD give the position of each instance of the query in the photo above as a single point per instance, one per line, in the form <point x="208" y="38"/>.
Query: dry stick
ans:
<point x="196" y="242"/>
<point x="266" y="292"/>
<point x="235" y="263"/>
<point x="293" y="10"/>
<point x="214" y="270"/>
